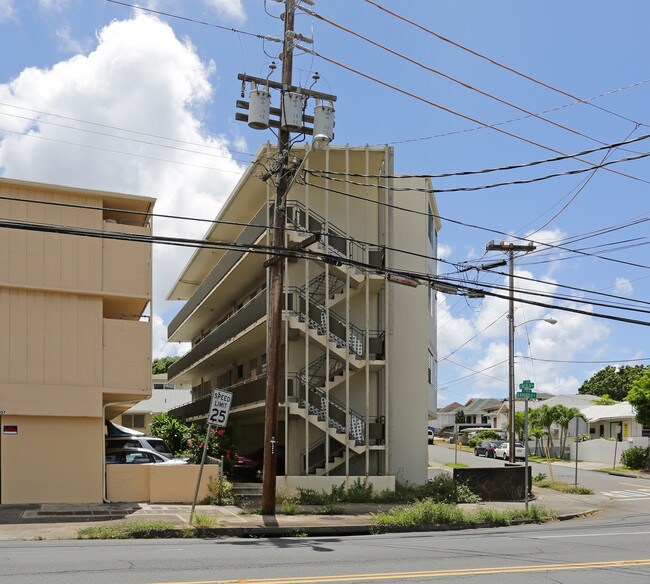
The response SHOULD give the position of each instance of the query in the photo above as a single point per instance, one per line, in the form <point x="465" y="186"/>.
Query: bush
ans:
<point x="220" y="492"/>
<point x="635" y="458"/>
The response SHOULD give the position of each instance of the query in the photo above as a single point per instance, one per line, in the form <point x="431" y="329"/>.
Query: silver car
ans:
<point x="139" y="456"/>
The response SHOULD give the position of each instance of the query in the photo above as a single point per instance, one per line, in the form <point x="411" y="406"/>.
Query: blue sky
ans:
<point x="160" y="94"/>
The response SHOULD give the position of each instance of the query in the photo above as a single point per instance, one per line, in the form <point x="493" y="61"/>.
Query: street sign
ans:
<point x="219" y="407"/>
<point x="526" y="394"/>
<point x="526" y="384"/>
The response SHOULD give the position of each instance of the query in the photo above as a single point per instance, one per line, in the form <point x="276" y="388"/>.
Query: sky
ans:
<point x="100" y="95"/>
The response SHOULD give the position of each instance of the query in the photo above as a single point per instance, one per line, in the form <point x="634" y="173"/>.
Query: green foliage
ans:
<point x="639" y="397"/>
<point x="442" y="489"/>
<point x="219" y="444"/>
<point x="562" y="487"/>
<point x="459" y="417"/>
<point x="604" y="400"/>
<point x="204" y="520"/>
<point x="484" y="435"/>
<point x="544" y="417"/>
<point x="613" y="381"/>
<point x="129" y="529"/>
<point x="329" y="509"/>
<point x="162" y="364"/>
<point x="220" y="492"/>
<point x="584" y="438"/>
<point x="428" y="512"/>
<point x="539" y="477"/>
<point x="290" y="506"/>
<point x="172" y="431"/>
<point x="635" y="458"/>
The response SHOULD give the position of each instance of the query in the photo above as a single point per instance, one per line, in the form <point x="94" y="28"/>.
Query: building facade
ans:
<point x="359" y="349"/>
<point x="76" y="343"/>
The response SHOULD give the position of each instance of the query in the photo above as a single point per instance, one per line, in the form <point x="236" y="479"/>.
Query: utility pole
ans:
<point x="511" y="248"/>
<point x="290" y="118"/>
<point x="277" y="283"/>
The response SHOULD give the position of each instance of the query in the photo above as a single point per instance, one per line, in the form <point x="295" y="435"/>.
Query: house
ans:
<point x="446" y="416"/>
<point x="359" y="350"/>
<point x="74" y="334"/>
<point x="612" y="421"/>
<point x="165" y="396"/>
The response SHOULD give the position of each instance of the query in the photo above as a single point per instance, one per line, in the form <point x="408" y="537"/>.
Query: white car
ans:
<point x="503" y="451"/>
<point x="139" y="456"/>
<point x="430" y="436"/>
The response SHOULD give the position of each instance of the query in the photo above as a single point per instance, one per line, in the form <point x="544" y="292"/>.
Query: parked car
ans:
<point x="139" y="456"/>
<point x="147" y="442"/>
<point x="503" y="451"/>
<point x="487" y="448"/>
<point x="251" y="465"/>
<point x="430" y="435"/>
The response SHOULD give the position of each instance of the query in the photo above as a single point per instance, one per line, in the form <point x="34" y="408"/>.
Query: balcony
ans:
<point x="245" y="317"/>
<point x="229" y="260"/>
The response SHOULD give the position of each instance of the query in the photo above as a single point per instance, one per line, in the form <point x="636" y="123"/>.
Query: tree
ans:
<point x="639" y="397"/>
<point x="162" y="364"/>
<point x="615" y="382"/>
<point x="459" y="418"/>
<point x="566" y="415"/>
<point x="544" y="417"/>
<point x="520" y="424"/>
<point x="173" y="432"/>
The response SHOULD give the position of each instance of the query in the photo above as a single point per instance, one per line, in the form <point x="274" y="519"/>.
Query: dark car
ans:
<point x="251" y="465"/>
<point x="487" y="448"/>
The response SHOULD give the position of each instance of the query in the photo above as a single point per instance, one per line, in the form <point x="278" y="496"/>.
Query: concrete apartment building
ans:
<point x="359" y="351"/>
<point x="76" y="344"/>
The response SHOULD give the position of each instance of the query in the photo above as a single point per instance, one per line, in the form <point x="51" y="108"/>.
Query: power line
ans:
<point x="587" y="362"/>
<point x="195" y="21"/>
<point x="445" y="75"/>
<point x="614" y="145"/>
<point x="498" y="64"/>
<point x="454" y="112"/>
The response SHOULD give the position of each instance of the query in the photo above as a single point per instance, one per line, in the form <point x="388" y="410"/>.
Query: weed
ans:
<point x="290" y="506"/>
<point x="329" y="509"/>
<point x="220" y="492"/>
<point x="203" y="520"/>
<point x="456" y="465"/>
<point x="563" y="487"/>
<point x="129" y="530"/>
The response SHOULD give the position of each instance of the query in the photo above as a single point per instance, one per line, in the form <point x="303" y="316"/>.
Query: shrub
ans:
<point x="484" y="435"/>
<point x="220" y="492"/>
<point x="539" y="477"/>
<point x="290" y="506"/>
<point x="635" y="458"/>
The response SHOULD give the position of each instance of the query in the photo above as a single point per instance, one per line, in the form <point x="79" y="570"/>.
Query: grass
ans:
<point x="429" y="513"/>
<point x="130" y="530"/>
<point x="562" y="487"/>
<point x="456" y="465"/>
<point x="204" y="520"/>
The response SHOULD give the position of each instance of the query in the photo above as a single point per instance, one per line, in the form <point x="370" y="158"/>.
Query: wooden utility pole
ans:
<point x="274" y="336"/>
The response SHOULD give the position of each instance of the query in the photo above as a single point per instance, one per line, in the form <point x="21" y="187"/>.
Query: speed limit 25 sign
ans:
<point x="219" y="407"/>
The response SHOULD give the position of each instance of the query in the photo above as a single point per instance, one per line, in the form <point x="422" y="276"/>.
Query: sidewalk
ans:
<point x="49" y="521"/>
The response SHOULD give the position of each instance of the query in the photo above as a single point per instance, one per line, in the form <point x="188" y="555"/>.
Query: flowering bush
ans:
<point x="219" y="444"/>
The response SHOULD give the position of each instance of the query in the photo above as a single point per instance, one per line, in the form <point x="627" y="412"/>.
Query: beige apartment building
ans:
<point x="359" y="350"/>
<point x="73" y="332"/>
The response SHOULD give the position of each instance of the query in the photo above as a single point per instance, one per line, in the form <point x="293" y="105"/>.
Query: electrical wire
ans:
<point x="446" y="76"/>
<point x="472" y="226"/>
<point x="454" y="112"/>
<point x="195" y="21"/>
<point x="284" y="252"/>
<point x="614" y="145"/>
<point x="498" y="64"/>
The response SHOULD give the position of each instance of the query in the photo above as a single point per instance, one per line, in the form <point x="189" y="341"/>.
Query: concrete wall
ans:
<point x="288" y="485"/>
<point x="150" y="483"/>
<point x="601" y="450"/>
<point x="52" y="460"/>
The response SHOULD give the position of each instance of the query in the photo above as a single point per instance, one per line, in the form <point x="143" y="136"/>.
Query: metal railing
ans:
<point x="249" y="234"/>
<point x="247" y="315"/>
<point x="318" y="456"/>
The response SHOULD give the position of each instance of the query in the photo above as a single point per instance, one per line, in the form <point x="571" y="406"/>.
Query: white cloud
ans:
<point x="624" y="287"/>
<point x="140" y="77"/>
<point x="231" y="9"/>
<point x="68" y="44"/>
<point x="444" y="251"/>
<point x="7" y="10"/>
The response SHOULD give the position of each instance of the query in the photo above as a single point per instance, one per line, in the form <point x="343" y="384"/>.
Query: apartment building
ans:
<point x="73" y="333"/>
<point x="359" y="348"/>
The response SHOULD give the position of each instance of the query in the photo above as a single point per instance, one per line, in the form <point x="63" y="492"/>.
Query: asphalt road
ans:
<point x="592" y="550"/>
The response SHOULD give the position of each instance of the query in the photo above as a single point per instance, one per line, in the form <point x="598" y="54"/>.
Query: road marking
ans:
<point x="430" y="574"/>
<point x="633" y="485"/>
<point x="628" y="494"/>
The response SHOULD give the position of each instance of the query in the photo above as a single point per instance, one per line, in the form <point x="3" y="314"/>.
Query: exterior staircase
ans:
<point x="247" y="495"/>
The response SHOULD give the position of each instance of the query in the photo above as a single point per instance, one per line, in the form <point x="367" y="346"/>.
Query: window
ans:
<point x="133" y="420"/>
<point x="430" y="226"/>
<point x="158" y="385"/>
<point x="430" y="368"/>
<point x="240" y="371"/>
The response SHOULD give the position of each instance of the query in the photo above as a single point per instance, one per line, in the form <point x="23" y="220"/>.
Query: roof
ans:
<point x="577" y="400"/>
<point x="620" y="411"/>
<point x="162" y="400"/>
<point x="480" y="405"/>
<point x="451" y="408"/>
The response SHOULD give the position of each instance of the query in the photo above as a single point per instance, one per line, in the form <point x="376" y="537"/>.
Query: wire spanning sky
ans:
<point x="97" y="94"/>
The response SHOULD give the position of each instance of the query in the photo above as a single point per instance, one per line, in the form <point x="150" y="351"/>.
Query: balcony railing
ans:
<point x="249" y="235"/>
<point x="247" y="315"/>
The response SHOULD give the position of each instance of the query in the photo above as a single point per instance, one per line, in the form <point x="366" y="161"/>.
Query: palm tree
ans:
<point x="520" y="425"/>
<point x="567" y="414"/>
<point x="544" y="417"/>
